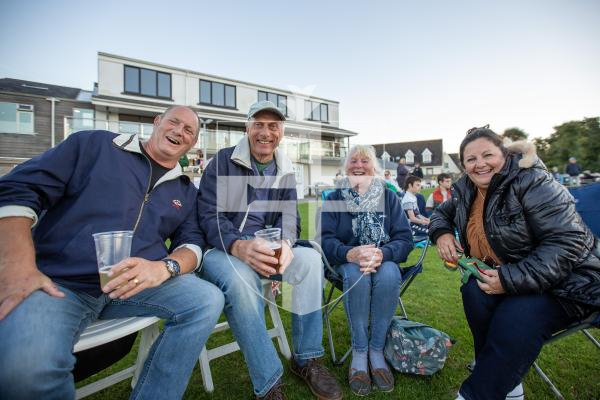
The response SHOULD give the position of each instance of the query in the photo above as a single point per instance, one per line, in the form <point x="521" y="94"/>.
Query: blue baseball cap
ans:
<point x="265" y="105"/>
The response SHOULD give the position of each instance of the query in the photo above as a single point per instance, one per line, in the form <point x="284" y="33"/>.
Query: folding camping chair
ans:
<point x="591" y="322"/>
<point x="409" y="273"/>
<point x="278" y="332"/>
<point x="104" y="331"/>
<point x="587" y="205"/>
<point x="324" y="195"/>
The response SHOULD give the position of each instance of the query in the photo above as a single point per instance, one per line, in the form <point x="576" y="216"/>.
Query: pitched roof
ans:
<point x="40" y="89"/>
<point x="435" y="146"/>
<point x="456" y="159"/>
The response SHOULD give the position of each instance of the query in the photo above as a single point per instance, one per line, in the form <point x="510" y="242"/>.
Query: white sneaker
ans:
<point x="517" y="393"/>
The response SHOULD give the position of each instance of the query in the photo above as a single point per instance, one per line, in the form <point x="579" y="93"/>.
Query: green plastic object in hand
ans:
<point x="472" y="266"/>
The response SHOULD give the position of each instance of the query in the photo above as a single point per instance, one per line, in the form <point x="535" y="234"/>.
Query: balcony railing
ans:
<point x="325" y="149"/>
<point x="297" y="149"/>
<point x="80" y="124"/>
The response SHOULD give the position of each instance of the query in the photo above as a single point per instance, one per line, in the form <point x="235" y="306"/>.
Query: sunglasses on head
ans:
<point x="487" y="126"/>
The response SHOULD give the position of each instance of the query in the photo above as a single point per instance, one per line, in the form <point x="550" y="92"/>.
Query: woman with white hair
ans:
<point x="365" y="233"/>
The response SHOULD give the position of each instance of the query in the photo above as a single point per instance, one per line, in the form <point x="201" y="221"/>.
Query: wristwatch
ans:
<point x="172" y="266"/>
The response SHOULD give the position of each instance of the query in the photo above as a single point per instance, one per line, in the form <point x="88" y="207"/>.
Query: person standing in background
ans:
<point x="573" y="170"/>
<point x="401" y="172"/>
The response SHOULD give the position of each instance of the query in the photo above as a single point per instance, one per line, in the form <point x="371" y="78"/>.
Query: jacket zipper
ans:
<point x="146" y="196"/>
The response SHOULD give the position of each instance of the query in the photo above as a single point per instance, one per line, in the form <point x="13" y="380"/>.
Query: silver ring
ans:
<point x="136" y="281"/>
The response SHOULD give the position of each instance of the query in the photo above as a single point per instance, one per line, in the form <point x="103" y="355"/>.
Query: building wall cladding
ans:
<point x="30" y="145"/>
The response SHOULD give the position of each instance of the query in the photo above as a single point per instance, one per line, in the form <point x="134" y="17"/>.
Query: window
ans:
<point x="314" y="111"/>
<point x="83" y="119"/>
<point x="136" y="124"/>
<point x="217" y="94"/>
<point x="16" y="118"/>
<point x="147" y="82"/>
<point x="426" y="155"/>
<point x="410" y="157"/>
<point x="278" y="99"/>
<point x="205" y="96"/>
<point x="230" y="96"/>
<point x="235" y="135"/>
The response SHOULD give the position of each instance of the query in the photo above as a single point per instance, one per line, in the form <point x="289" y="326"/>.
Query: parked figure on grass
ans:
<point x="97" y="181"/>
<point x="417" y="171"/>
<point x="245" y="189"/>
<point x="441" y="193"/>
<point x="418" y="222"/>
<point x="511" y="213"/>
<point x="365" y="234"/>
<point x="573" y="170"/>
<point x="556" y="175"/>
<point x="391" y="183"/>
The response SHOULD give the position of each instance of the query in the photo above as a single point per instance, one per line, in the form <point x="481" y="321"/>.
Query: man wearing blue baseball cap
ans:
<point x="245" y="189"/>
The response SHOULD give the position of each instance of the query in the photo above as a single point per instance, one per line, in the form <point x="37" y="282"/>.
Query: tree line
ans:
<point x="579" y="139"/>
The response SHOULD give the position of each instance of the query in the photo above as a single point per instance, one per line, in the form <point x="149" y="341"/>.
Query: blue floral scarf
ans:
<point x="367" y="226"/>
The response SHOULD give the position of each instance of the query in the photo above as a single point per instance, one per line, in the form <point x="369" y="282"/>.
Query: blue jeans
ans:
<point x="508" y="334"/>
<point x="38" y="338"/>
<point x="244" y="309"/>
<point x="370" y="297"/>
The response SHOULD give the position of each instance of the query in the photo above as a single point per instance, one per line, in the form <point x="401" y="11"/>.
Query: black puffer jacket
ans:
<point x="531" y="224"/>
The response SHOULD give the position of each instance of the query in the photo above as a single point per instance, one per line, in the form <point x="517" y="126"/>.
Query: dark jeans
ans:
<point x="508" y="334"/>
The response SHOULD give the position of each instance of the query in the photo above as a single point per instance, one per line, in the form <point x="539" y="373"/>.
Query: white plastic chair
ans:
<point x="277" y="331"/>
<point x="104" y="331"/>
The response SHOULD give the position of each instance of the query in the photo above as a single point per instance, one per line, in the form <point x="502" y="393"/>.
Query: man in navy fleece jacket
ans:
<point x="50" y="206"/>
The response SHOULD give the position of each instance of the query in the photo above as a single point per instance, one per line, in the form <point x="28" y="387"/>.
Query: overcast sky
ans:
<point x="401" y="70"/>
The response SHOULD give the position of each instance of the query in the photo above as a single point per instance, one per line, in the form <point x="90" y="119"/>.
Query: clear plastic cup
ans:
<point x="111" y="248"/>
<point x="273" y="238"/>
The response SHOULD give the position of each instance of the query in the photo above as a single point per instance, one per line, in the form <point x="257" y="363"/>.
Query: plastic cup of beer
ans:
<point x="111" y="248"/>
<point x="273" y="238"/>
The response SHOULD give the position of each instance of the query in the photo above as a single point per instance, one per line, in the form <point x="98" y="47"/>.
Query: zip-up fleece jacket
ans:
<point x="228" y="191"/>
<point x="96" y="181"/>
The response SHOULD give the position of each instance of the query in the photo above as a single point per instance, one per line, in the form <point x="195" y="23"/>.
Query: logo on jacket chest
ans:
<point x="176" y="203"/>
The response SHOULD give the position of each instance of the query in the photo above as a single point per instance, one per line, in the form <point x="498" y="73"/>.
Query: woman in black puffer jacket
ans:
<point x="509" y="210"/>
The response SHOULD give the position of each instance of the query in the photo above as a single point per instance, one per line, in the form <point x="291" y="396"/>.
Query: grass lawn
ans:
<point x="572" y="363"/>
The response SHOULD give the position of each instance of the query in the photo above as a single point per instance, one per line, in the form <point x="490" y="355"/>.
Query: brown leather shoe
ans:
<point x="359" y="381"/>
<point x="275" y="393"/>
<point x="321" y="382"/>
<point x="383" y="379"/>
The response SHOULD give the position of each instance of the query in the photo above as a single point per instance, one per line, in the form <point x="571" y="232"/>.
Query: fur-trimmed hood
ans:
<point x="527" y="151"/>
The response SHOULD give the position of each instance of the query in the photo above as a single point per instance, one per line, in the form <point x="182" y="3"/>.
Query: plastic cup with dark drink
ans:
<point x="111" y="248"/>
<point x="273" y="238"/>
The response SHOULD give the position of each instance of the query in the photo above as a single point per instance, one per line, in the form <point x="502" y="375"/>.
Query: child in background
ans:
<point x="418" y="223"/>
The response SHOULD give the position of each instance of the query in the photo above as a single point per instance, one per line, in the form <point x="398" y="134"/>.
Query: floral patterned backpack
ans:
<point x="415" y="348"/>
